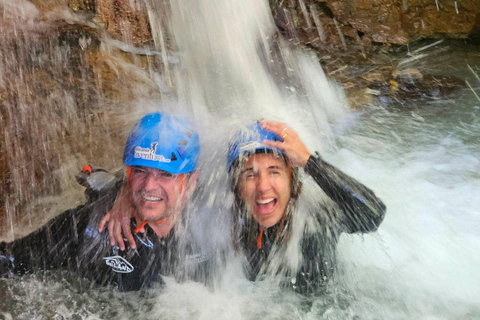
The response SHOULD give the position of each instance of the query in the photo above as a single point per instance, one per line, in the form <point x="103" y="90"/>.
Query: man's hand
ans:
<point x="118" y="219"/>
<point x="292" y="145"/>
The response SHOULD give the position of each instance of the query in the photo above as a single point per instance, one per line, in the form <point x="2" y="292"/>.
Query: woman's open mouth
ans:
<point x="265" y="206"/>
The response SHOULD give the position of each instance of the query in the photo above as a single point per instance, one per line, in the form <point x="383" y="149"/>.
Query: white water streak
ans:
<point x="318" y="22"/>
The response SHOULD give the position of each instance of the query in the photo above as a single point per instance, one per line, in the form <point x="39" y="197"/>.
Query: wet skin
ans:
<point x="264" y="186"/>
<point x="157" y="194"/>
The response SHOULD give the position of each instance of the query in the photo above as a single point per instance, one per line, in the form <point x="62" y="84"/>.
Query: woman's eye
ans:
<point x="249" y="175"/>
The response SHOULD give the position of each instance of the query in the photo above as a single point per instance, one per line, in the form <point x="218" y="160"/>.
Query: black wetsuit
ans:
<point x="357" y="210"/>
<point x="71" y="241"/>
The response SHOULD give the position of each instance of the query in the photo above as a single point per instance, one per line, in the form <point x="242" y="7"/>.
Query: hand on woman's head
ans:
<point x="292" y="145"/>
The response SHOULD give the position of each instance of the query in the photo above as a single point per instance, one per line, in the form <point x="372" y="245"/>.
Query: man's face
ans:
<point x="157" y="194"/>
<point x="264" y="186"/>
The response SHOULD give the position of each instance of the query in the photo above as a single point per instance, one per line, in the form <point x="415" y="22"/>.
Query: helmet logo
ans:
<point x="249" y="146"/>
<point x="149" y="153"/>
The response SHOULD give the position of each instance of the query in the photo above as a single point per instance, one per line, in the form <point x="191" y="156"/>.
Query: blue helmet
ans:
<point x="249" y="140"/>
<point x="164" y="142"/>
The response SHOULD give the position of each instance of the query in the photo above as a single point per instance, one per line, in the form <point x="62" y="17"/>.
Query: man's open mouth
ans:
<point x="151" y="198"/>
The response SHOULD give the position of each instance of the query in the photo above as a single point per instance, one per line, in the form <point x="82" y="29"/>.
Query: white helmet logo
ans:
<point x="149" y="153"/>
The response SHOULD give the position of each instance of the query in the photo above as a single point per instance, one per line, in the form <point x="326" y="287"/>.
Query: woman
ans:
<point x="263" y="164"/>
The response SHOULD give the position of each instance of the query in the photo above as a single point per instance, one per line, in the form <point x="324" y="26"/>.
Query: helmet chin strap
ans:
<point x="144" y="223"/>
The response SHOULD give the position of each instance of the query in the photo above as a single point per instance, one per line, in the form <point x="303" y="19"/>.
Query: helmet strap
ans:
<point x="144" y="223"/>
<point x="129" y="173"/>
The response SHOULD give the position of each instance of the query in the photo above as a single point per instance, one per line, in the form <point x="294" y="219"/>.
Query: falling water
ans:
<point x="227" y="66"/>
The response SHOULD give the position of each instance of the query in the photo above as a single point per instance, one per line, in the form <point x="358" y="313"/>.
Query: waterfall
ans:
<point x="71" y="97"/>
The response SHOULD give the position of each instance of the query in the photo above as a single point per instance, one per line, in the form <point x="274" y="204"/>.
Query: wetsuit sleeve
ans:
<point x="52" y="246"/>
<point x="362" y="210"/>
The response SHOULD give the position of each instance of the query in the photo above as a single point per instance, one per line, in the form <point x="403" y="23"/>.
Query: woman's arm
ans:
<point x="364" y="211"/>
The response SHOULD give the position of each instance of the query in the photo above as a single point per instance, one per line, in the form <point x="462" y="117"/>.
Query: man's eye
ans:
<point x="138" y="170"/>
<point x="166" y="175"/>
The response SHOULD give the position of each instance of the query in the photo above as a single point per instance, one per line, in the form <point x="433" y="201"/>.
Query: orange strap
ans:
<point x="144" y="223"/>
<point x="182" y="182"/>
<point x="129" y="173"/>
<point x="259" y="239"/>
<point x="86" y="168"/>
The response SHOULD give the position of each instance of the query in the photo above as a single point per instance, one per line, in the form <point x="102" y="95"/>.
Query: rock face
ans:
<point x="455" y="19"/>
<point x="62" y="96"/>
<point x="125" y="20"/>
<point x="335" y="24"/>
<point x="380" y="21"/>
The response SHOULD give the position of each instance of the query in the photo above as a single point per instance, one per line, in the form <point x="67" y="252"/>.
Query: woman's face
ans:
<point x="264" y="186"/>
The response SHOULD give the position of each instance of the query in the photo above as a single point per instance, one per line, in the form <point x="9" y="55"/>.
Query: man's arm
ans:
<point x="364" y="211"/>
<point x="52" y="246"/>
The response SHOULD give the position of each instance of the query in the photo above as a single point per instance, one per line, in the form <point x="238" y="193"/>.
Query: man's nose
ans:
<point x="151" y="182"/>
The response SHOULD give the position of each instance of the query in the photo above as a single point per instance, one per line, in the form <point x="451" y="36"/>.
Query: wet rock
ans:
<point x="367" y="81"/>
<point x="455" y="19"/>
<point x="413" y="86"/>
<point x="380" y="21"/>
<point x="125" y="20"/>
<point x="409" y="74"/>
<point x="82" y="5"/>
<point x="55" y="76"/>
<point x="116" y="76"/>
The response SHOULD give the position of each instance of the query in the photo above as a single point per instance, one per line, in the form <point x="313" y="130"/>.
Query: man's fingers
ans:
<point x="110" y="226"/>
<point x="117" y="232"/>
<point x="127" y="232"/>
<point x="104" y="221"/>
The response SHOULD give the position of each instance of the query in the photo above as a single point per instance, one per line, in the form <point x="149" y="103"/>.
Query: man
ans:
<point x="161" y="156"/>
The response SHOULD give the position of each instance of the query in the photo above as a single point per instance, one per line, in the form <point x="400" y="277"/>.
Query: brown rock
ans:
<point x="408" y="74"/>
<point x="380" y="20"/>
<point x="358" y="98"/>
<point x="126" y="20"/>
<point x="428" y="20"/>
<point x="374" y="76"/>
<point x="82" y="5"/>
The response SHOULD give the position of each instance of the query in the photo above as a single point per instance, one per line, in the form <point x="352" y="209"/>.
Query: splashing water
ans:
<point x="424" y="163"/>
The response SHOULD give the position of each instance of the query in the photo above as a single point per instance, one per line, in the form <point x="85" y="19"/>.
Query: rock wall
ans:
<point x="63" y="92"/>
<point x="352" y="25"/>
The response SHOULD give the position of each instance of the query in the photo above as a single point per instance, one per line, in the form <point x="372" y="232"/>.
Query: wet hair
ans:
<point x="243" y="226"/>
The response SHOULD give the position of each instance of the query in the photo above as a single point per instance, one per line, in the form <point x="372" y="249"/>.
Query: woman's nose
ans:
<point x="264" y="182"/>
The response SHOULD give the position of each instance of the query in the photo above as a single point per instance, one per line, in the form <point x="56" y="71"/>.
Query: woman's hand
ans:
<point x="118" y="219"/>
<point x="292" y="145"/>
